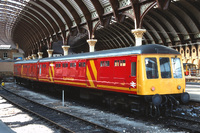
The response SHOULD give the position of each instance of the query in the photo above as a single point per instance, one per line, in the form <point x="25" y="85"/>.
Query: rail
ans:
<point x="64" y="121"/>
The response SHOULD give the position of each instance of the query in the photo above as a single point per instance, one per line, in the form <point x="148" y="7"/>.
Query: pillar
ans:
<point x="138" y="33"/>
<point x="65" y="49"/>
<point x="29" y="57"/>
<point x="92" y="43"/>
<point x="40" y="55"/>
<point x="34" y="56"/>
<point x="50" y="52"/>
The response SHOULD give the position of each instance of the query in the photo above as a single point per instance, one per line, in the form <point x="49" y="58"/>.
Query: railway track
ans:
<point x="65" y="122"/>
<point x="184" y="122"/>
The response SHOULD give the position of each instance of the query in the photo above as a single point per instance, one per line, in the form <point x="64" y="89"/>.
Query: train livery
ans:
<point x="148" y="78"/>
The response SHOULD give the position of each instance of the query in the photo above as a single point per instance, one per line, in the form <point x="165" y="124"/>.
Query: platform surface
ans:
<point x="4" y="128"/>
<point x="194" y="90"/>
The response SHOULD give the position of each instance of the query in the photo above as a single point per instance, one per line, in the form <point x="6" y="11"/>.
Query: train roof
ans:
<point x="27" y="61"/>
<point x="143" y="49"/>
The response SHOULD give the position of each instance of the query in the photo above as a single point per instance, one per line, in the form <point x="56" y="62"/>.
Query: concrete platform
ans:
<point x="194" y="90"/>
<point x="194" y="79"/>
<point x="4" y="128"/>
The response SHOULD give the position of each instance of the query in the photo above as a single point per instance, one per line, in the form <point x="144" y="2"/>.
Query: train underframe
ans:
<point x="150" y="105"/>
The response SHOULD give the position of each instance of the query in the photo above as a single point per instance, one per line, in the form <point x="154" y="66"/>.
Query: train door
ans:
<point x="91" y="73"/>
<point x="133" y="72"/>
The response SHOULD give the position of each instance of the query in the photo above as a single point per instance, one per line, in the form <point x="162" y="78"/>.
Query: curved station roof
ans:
<point x="36" y="25"/>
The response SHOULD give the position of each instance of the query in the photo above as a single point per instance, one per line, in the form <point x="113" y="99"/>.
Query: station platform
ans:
<point x="194" y="79"/>
<point x="194" y="90"/>
<point x="4" y="128"/>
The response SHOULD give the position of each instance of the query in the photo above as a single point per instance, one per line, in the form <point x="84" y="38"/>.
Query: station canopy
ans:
<point x="37" y="25"/>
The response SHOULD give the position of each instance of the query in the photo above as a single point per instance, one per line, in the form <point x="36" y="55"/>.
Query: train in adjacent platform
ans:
<point x="148" y="78"/>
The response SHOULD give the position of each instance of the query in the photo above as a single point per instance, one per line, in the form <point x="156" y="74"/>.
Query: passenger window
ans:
<point x="165" y="68"/>
<point x="117" y="63"/>
<point x="133" y="68"/>
<point x="105" y="63"/>
<point x="151" y="68"/>
<point x="176" y="67"/>
<point x="120" y="63"/>
<point x="81" y="64"/>
<point x="72" y="64"/>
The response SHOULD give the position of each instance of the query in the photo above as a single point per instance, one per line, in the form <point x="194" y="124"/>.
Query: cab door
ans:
<point x="132" y="80"/>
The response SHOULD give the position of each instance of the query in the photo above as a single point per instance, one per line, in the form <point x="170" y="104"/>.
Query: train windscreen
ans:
<point x="176" y="67"/>
<point x="151" y="68"/>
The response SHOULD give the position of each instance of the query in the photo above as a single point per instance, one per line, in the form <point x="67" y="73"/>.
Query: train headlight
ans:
<point x="153" y="88"/>
<point x="178" y="87"/>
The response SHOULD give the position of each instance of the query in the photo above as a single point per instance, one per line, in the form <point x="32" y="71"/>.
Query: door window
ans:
<point x="133" y="68"/>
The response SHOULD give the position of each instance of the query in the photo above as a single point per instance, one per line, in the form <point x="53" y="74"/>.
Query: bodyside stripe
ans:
<point x="89" y="77"/>
<point x="94" y="70"/>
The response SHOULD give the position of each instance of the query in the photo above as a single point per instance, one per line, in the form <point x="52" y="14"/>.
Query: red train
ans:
<point x="147" y="78"/>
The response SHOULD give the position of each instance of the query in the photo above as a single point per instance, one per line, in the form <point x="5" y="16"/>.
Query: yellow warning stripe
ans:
<point x="89" y="77"/>
<point x="94" y="70"/>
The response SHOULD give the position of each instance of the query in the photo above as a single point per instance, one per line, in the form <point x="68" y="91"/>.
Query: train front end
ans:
<point x="162" y="81"/>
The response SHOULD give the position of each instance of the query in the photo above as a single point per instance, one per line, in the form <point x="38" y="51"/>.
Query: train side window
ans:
<point x="133" y="68"/>
<point x="165" y="68"/>
<point x="105" y="63"/>
<point x="122" y="63"/>
<point x="72" y="64"/>
<point x="151" y="68"/>
<point x="81" y="64"/>
<point x="65" y="64"/>
<point x="117" y="63"/>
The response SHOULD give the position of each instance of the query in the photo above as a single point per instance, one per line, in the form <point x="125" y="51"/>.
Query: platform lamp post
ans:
<point x="138" y="33"/>
<point x="92" y="43"/>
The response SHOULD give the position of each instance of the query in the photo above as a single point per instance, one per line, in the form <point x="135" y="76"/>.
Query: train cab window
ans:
<point x="165" y="68"/>
<point x="133" y="68"/>
<point x="176" y="67"/>
<point x="151" y="68"/>
<point x="105" y="63"/>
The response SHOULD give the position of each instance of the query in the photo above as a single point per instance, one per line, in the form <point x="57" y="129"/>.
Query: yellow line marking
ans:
<point x="116" y="88"/>
<point x="43" y="79"/>
<point x="89" y="77"/>
<point x="67" y="82"/>
<point x="94" y="70"/>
